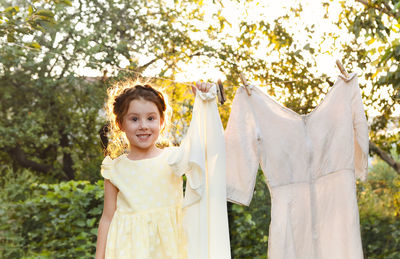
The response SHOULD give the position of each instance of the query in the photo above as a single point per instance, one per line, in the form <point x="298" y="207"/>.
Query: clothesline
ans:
<point x="137" y="73"/>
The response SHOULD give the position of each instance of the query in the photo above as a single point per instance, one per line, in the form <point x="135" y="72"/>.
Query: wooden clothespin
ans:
<point x="220" y="92"/>
<point x="342" y="69"/>
<point x="245" y="84"/>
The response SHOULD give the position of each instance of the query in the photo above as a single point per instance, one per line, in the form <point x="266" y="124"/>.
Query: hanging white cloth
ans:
<point x="310" y="163"/>
<point x="201" y="156"/>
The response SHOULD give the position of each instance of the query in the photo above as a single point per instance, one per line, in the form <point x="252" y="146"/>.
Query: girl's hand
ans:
<point x="202" y="87"/>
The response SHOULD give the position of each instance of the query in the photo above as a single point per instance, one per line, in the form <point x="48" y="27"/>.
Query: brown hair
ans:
<point x="120" y="94"/>
<point x="145" y="92"/>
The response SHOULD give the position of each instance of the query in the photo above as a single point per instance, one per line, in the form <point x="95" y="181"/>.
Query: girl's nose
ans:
<point x="143" y="124"/>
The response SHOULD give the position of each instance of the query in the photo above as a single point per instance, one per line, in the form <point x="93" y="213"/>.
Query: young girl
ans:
<point x="142" y="215"/>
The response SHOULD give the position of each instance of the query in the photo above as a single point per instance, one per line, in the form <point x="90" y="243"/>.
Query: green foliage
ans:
<point x="376" y="49"/>
<point x="380" y="225"/>
<point x="249" y="226"/>
<point x="31" y="18"/>
<point x="49" y="220"/>
<point x="378" y="201"/>
<point x="14" y="188"/>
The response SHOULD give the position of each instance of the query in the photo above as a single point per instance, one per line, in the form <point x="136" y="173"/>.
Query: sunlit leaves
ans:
<point x="26" y="19"/>
<point x="376" y="50"/>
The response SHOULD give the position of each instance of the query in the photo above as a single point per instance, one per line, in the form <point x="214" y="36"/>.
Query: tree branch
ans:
<point x="21" y="158"/>
<point x="387" y="10"/>
<point x="143" y="67"/>
<point x="385" y="157"/>
<point x="65" y="68"/>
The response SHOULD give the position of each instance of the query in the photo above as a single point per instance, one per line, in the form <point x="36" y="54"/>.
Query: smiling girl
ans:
<point x="142" y="215"/>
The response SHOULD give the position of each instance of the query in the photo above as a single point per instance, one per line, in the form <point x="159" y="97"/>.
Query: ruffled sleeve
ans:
<point x="361" y="139"/>
<point x="107" y="167"/>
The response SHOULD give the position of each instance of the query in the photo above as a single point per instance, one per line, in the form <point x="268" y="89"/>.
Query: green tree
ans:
<point x="50" y="112"/>
<point x="376" y="47"/>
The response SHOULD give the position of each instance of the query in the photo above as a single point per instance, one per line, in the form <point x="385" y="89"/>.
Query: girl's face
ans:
<point x="142" y="124"/>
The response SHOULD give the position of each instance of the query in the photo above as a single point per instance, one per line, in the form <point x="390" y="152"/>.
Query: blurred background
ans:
<point x="58" y="57"/>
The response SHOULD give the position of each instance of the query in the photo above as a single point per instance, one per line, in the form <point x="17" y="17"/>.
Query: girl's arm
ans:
<point x="110" y="204"/>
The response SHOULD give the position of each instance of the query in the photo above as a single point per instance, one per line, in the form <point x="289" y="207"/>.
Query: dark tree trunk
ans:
<point x="67" y="158"/>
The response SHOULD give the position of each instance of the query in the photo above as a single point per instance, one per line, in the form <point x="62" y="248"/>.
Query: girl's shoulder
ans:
<point x="107" y="167"/>
<point x="108" y="163"/>
<point x="110" y="166"/>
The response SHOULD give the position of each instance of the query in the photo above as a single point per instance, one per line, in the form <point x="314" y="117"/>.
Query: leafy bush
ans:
<point x="249" y="226"/>
<point x="14" y="188"/>
<point x="379" y="206"/>
<point x="51" y="220"/>
<point x="61" y="220"/>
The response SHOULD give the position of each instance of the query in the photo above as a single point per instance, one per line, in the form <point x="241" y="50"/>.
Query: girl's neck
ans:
<point x="138" y="154"/>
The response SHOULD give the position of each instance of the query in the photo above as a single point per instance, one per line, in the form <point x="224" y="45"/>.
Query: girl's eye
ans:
<point x="151" y="118"/>
<point x="134" y="118"/>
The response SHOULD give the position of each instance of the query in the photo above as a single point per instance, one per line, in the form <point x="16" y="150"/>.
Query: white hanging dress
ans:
<point x="310" y="163"/>
<point x="201" y="157"/>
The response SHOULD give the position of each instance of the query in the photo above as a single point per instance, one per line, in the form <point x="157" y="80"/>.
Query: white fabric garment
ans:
<point x="310" y="163"/>
<point x="201" y="156"/>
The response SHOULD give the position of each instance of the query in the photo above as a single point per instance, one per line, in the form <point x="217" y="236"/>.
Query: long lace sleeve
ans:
<point x="361" y="140"/>
<point x="241" y="150"/>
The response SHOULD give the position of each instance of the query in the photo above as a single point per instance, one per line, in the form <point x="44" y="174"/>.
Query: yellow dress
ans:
<point x="147" y="223"/>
